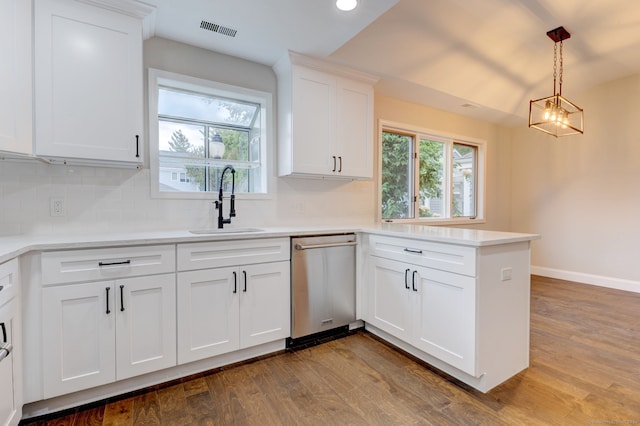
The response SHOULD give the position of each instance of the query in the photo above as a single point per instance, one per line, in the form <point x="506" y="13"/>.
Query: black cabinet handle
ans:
<point x="408" y="250"/>
<point x="334" y="163"/>
<point x="413" y="280"/>
<point x="121" y="298"/>
<point x="124" y="262"/>
<point x="4" y="332"/>
<point x="137" y="146"/>
<point x="245" y="281"/>
<point x="107" y="289"/>
<point x="340" y="164"/>
<point x="406" y="283"/>
<point x="235" y="282"/>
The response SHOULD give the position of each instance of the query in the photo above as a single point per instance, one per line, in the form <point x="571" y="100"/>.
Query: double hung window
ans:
<point x="431" y="177"/>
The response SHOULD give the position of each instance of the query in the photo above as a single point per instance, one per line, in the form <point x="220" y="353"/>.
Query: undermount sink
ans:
<point x="226" y="231"/>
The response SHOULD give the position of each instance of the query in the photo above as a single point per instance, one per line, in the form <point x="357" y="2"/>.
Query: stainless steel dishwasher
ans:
<point x="323" y="277"/>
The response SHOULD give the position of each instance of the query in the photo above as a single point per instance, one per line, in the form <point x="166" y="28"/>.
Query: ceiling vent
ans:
<point x="218" y="28"/>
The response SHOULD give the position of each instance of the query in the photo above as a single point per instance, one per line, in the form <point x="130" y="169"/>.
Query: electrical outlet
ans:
<point x="506" y="273"/>
<point x="56" y="208"/>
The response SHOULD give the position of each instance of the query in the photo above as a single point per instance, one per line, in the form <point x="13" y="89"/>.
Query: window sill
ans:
<point x="208" y="196"/>
<point x="438" y="222"/>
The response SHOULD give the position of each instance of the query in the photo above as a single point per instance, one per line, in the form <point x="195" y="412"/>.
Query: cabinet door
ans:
<point x="78" y="331"/>
<point x="15" y="76"/>
<point x="353" y="142"/>
<point x="88" y="82"/>
<point x="390" y="297"/>
<point x="11" y="400"/>
<point x="207" y="313"/>
<point x="145" y="324"/>
<point x="313" y="123"/>
<point x="445" y="321"/>
<point x="265" y="303"/>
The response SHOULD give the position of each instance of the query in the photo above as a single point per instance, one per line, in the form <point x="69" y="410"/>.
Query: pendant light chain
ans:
<point x="561" y="67"/>
<point x="555" y="66"/>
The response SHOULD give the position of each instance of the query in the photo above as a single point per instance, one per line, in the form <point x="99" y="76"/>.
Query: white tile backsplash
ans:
<point x="118" y="200"/>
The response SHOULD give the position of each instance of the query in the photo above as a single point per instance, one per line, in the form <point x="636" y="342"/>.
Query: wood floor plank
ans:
<point x="146" y="409"/>
<point x="276" y="392"/>
<point x="173" y="405"/>
<point x="118" y="413"/>
<point x="90" y="417"/>
<point x="63" y="421"/>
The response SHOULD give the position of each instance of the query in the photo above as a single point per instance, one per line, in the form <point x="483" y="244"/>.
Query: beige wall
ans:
<point x="498" y="188"/>
<point x="582" y="193"/>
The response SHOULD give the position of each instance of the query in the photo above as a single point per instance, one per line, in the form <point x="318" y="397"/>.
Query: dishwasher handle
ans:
<point x="315" y="246"/>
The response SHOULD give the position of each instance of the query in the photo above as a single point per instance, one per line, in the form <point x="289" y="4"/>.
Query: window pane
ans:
<point x="464" y="180"/>
<point x="432" y="179"/>
<point x="198" y="106"/>
<point x="397" y="188"/>
<point x="178" y="144"/>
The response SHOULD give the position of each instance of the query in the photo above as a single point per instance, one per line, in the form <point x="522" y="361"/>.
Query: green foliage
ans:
<point x="179" y="142"/>
<point x="396" y="184"/>
<point x="431" y="170"/>
<point x="397" y="179"/>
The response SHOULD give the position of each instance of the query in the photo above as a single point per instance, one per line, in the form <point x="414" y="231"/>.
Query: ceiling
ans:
<point x="483" y="59"/>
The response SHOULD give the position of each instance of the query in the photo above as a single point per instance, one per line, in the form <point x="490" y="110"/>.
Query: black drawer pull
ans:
<point x="121" y="298"/>
<point x="235" y="282"/>
<point x="334" y="163"/>
<point x="107" y="289"/>
<point x="406" y="283"/>
<point x="413" y="280"/>
<point x="409" y="250"/>
<point x="124" y="262"/>
<point x="137" y="146"/>
<point x="245" y="281"/>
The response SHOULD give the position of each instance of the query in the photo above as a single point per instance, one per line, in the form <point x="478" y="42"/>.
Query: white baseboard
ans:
<point x="599" y="280"/>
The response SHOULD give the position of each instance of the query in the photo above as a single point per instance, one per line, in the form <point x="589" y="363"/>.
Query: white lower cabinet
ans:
<point x="232" y="295"/>
<point x="430" y="309"/>
<point x="461" y="308"/>
<point x="221" y="310"/>
<point x="99" y="332"/>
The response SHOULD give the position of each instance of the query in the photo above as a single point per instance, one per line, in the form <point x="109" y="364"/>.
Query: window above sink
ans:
<point x="197" y="127"/>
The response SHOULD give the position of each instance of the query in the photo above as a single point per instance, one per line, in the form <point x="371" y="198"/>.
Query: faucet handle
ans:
<point x="232" y="206"/>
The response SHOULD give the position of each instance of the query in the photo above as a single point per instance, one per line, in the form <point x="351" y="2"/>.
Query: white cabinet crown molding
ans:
<point x="293" y="58"/>
<point x="137" y="9"/>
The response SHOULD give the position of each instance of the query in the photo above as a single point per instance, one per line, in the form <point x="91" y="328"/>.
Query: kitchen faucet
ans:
<point x="232" y="205"/>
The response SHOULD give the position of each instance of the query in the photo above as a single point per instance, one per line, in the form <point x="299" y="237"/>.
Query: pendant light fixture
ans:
<point x="555" y="114"/>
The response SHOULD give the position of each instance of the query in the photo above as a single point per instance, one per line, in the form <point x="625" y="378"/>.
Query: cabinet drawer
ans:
<point x="215" y="254"/>
<point x="8" y="281"/>
<point x="108" y="263"/>
<point x="446" y="257"/>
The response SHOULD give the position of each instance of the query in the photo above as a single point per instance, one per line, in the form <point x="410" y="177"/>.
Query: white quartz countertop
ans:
<point x="14" y="246"/>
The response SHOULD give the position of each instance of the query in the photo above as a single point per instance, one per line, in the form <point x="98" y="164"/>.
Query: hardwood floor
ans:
<point x="585" y="370"/>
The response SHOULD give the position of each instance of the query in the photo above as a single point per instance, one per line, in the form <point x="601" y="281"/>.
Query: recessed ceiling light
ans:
<point x="346" y="5"/>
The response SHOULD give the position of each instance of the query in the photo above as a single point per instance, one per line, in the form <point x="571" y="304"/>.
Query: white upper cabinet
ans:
<point x="88" y="83"/>
<point x="15" y="78"/>
<point x="325" y="120"/>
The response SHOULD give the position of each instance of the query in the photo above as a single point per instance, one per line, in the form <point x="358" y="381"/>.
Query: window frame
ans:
<point x="158" y="78"/>
<point x="449" y="139"/>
